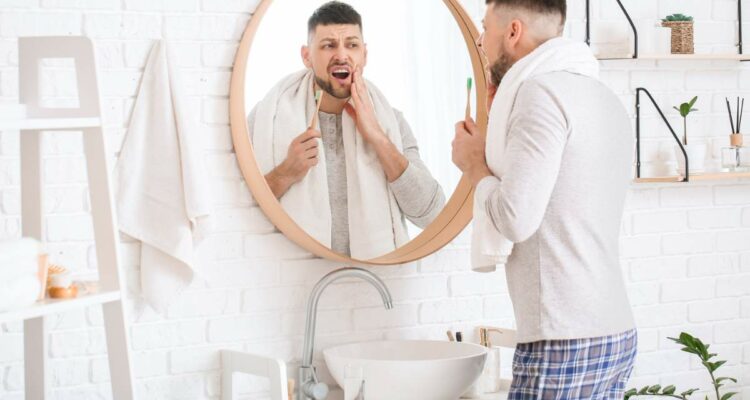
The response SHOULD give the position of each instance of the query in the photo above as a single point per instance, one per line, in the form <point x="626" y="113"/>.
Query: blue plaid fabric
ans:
<point x="596" y="368"/>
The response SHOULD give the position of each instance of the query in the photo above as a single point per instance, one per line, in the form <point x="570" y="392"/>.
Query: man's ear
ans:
<point x="515" y="31"/>
<point x="305" y="54"/>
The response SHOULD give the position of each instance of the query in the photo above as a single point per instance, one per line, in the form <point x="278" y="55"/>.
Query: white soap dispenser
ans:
<point x="490" y="379"/>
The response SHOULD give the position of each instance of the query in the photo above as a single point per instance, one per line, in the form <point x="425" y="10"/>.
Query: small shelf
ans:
<point x="52" y="306"/>
<point x="711" y="176"/>
<point x="49" y="123"/>
<point x="679" y="57"/>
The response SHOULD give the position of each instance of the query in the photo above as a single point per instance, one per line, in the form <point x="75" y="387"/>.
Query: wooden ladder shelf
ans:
<point x="86" y="119"/>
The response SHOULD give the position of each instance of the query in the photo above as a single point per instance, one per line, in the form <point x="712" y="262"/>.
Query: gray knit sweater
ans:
<point x="418" y="194"/>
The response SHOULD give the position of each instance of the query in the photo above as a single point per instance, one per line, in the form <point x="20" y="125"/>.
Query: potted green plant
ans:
<point x="683" y="38"/>
<point x="694" y="346"/>
<point x="696" y="152"/>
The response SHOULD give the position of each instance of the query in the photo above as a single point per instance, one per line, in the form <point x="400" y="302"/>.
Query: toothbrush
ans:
<point x="318" y="102"/>
<point x="468" y="98"/>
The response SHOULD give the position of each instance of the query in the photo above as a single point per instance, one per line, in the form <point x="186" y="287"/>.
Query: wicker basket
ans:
<point x="682" y="36"/>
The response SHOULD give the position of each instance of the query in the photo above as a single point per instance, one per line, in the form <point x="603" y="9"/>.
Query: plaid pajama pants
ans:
<point x="596" y="368"/>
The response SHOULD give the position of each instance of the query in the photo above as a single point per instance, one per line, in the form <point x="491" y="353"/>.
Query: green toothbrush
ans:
<point x="468" y="98"/>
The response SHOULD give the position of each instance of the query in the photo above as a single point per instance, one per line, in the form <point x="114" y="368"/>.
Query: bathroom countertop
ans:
<point x="338" y="394"/>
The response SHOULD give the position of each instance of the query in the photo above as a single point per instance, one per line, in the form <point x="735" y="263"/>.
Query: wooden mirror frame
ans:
<point x="454" y="217"/>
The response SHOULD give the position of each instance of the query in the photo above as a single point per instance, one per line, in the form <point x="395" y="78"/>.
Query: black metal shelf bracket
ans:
<point x="627" y="15"/>
<point x="588" y="22"/>
<point x="740" y="43"/>
<point x="638" y="92"/>
<point x="739" y="23"/>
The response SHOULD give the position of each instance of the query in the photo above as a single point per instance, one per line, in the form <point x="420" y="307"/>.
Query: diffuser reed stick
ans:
<point x="740" y="111"/>
<point x="731" y="119"/>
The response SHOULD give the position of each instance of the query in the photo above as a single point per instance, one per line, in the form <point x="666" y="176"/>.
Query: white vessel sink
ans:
<point x="410" y="370"/>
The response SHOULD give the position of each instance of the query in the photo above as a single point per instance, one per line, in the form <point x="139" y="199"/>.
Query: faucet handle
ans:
<point x="317" y="391"/>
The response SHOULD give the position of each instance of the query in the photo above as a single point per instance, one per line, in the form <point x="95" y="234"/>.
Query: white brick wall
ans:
<point x="685" y="247"/>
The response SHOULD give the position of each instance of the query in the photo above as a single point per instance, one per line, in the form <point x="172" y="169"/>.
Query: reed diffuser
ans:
<point x="735" y="122"/>
<point x="736" y="157"/>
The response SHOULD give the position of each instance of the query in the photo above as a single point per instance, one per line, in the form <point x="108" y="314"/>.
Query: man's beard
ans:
<point x="326" y="85"/>
<point x="498" y="70"/>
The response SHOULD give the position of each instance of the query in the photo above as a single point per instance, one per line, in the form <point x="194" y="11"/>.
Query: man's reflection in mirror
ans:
<point x="353" y="175"/>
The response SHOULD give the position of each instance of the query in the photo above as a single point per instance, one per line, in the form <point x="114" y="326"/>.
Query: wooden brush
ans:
<point x="290" y="388"/>
<point x="468" y="98"/>
<point x="318" y="102"/>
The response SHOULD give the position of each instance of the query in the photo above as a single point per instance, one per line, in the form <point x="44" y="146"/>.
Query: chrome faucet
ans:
<point x="310" y="388"/>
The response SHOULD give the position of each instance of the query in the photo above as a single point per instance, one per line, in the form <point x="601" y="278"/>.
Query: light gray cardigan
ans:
<point x="561" y="199"/>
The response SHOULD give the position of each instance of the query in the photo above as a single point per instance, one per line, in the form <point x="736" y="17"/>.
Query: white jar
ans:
<point x="696" y="153"/>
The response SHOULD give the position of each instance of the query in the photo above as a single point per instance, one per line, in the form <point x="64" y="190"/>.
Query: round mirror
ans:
<point x="342" y="119"/>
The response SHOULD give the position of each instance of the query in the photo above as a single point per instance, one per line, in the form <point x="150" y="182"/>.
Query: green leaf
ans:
<point x="688" y="392"/>
<point x="630" y="393"/>
<point x="719" y="364"/>
<point x="669" y="389"/>
<point x="728" y="396"/>
<point x="644" y="390"/>
<point x="692" y="103"/>
<point x="691" y="351"/>
<point x="725" y="378"/>
<point x="654" y="389"/>
<point x="684" y="111"/>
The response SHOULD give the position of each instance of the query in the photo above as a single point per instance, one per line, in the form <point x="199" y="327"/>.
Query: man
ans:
<point x="375" y="177"/>
<point x="552" y="179"/>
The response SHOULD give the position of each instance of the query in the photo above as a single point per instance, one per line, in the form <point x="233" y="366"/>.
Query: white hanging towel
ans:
<point x="162" y="196"/>
<point x="489" y="247"/>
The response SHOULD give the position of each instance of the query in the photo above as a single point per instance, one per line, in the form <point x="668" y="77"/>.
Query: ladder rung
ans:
<point x="49" y="123"/>
<point x="54" y="306"/>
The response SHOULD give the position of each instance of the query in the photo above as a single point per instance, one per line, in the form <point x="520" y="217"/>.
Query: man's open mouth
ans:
<point x="341" y="73"/>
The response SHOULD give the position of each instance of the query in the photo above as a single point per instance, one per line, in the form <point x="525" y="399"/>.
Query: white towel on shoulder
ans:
<point x="376" y="226"/>
<point x="489" y="247"/>
<point x="162" y="196"/>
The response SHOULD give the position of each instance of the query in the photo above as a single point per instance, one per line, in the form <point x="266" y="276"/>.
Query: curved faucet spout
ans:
<point x="306" y="371"/>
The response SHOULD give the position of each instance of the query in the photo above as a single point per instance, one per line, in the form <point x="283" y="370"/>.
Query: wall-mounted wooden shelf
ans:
<point x="636" y="55"/>
<point x="711" y="176"/>
<point x="679" y="57"/>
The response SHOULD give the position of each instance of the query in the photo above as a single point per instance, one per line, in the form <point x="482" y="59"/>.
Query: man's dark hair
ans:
<point x="540" y="6"/>
<point x="334" y="13"/>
